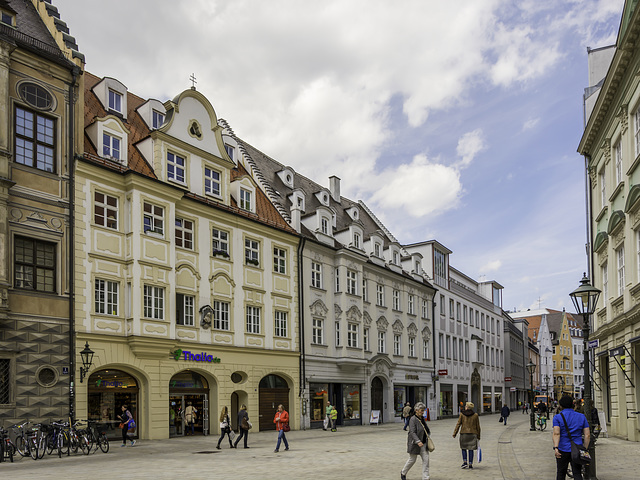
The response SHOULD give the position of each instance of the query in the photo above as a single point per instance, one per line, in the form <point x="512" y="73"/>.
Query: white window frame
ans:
<point x="411" y="305"/>
<point x="106" y="297"/>
<point x="157" y="119"/>
<point x="316" y="275"/>
<point x="337" y="330"/>
<point x="279" y="260"/>
<point x="183" y="232"/>
<point x="603" y="188"/>
<point x="605" y="282"/>
<point x="115" y="100"/>
<point x="636" y="135"/>
<point x="380" y="295"/>
<point x="337" y="279"/>
<point x="382" y="341"/>
<point x="356" y="240"/>
<point x="620" y="263"/>
<point x="246" y="200"/>
<point x="280" y="324"/>
<point x="251" y="252"/>
<point x="324" y="225"/>
<point x="154" y="219"/>
<point x="109" y="214"/>
<point x="396" y="299"/>
<point x="219" y="242"/>
<point x="252" y="323"/>
<point x="352" y="335"/>
<point x="352" y="279"/>
<point x="397" y="344"/>
<point x="221" y="315"/>
<point x="617" y="154"/>
<point x="212" y="185"/>
<point x="109" y="149"/>
<point x="425" y="309"/>
<point x="412" y="347"/>
<point x="153" y="302"/>
<point x="176" y="168"/>
<point x="317" y="337"/>
<point x="365" y="290"/>
<point x="188" y="310"/>
<point x="365" y="339"/>
<point x="425" y="349"/>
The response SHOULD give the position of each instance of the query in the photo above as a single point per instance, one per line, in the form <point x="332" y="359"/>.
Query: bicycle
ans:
<point x="97" y="436"/>
<point x="7" y="448"/>
<point x="541" y="422"/>
<point x="26" y="443"/>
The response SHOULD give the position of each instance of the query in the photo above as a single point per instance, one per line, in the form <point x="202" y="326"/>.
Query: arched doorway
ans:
<point x="274" y="390"/>
<point x="377" y="401"/>
<point x="188" y="387"/>
<point x="109" y="390"/>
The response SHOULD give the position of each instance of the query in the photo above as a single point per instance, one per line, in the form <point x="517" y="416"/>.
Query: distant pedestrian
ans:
<point x="406" y="414"/>
<point x="327" y="423"/>
<point x="243" y="426"/>
<point x="469" y="426"/>
<point x="334" y="418"/>
<point x="225" y="427"/>
<point x="190" y="414"/>
<point x="526" y="408"/>
<point x="504" y="413"/>
<point x="281" y="420"/>
<point x="577" y="427"/>
<point x="126" y="423"/>
<point x="417" y="442"/>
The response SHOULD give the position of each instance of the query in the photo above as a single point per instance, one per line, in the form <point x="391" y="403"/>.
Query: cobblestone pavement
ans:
<point x="362" y="452"/>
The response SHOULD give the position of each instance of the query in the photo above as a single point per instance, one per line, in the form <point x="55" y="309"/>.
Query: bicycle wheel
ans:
<point x="42" y="444"/>
<point x="21" y="446"/>
<point x="74" y="442"/>
<point x="85" y="445"/>
<point x="8" y="449"/>
<point x="103" y="442"/>
<point x="33" y="447"/>
<point x="50" y="441"/>
<point x="543" y="425"/>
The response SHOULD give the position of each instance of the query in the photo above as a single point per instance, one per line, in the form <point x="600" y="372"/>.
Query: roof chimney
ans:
<point x="296" y="214"/>
<point x="334" y="186"/>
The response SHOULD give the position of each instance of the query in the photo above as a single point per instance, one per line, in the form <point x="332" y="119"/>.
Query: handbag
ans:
<point x="286" y="427"/>
<point x="132" y="424"/>
<point x="430" y="445"/>
<point x="250" y="425"/>
<point x="121" y="425"/>
<point x="579" y="453"/>
<point x="501" y="419"/>
<point x="223" y="425"/>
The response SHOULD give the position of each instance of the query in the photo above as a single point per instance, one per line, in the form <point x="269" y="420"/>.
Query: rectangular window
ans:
<point x="230" y="151"/>
<point x="158" y="119"/>
<point x="442" y="307"/>
<point x="379" y="295"/>
<point x="337" y="274"/>
<point x="220" y="315"/>
<point x="466" y="350"/>
<point x="603" y="189"/>
<point x="115" y="101"/>
<point x="365" y="339"/>
<point x="211" y="182"/>
<point x="5" y="381"/>
<point x="154" y="302"/>
<point x="617" y="153"/>
<point x="441" y="345"/>
<point x="106" y="297"/>
<point x="455" y="349"/>
<point x="458" y="317"/>
<point x="356" y="240"/>
<point x="365" y="292"/>
<point x="464" y="314"/>
<point x="35" y="140"/>
<point x="451" y="308"/>
<point x="477" y="319"/>
<point x="324" y="226"/>
<point x="352" y="286"/>
<point x="153" y="218"/>
<point x="251" y="252"/>
<point x="246" y="200"/>
<point x="412" y="347"/>
<point x="220" y="242"/>
<point x="337" y="334"/>
<point x="425" y="349"/>
<point x="425" y="309"/>
<point x="110" y="146"/>
<point x="352" y="335"/>
<point x="316" y="275"/>
<point x="440" y="268"/>
<point x="461" y="343"/>
<point x="185" y="308"/>
<point x="253" y="320"/>
<point x="184" y="233"/>
<point x="411" y="305"/>
<point x="396" y="300"/>
<point x="280" y="320"/>
<point x="381" y="342"/>
<point x="279" y="260"/>
<point x="482" y="321"/>
<point x="175" y="167"/>
<point x="397" y="339"/>
<point x="34" y="265"/>
<point x="376" y="249"/>
<point x="620" y="257"/>
<point x="317" y="331"/>
<point x="448" y="346"/>
<point x="605" y="283"/>
<point x="105" y="210"/>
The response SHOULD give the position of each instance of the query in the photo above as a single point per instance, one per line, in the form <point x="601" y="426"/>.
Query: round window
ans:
<point x="47" y="376"/>
<point x="36" y="96"/>
<point x="238" y="377"/>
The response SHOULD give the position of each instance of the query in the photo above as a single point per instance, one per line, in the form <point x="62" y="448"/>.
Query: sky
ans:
<point x="452" y="120"/>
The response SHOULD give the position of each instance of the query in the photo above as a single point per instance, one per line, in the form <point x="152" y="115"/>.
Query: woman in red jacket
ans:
<point x="281" y="420"/>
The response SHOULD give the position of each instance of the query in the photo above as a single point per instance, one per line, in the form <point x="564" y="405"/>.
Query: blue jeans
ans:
<point x="282" y="437"/>
<point x="464" y="456"/>
<point x="406" y="422"/>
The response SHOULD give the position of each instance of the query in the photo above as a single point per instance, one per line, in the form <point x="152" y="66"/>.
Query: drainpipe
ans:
<point x="589" y="209"/>
<point x="303" y="373"/>
<point x="433" y="330"/>
<point x="71" y="242"/>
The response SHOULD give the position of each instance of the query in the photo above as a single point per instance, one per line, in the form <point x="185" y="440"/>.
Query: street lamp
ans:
<point x="532" y="368"/>
<point x="87" y="359"/>
<point x="585" y="299"/>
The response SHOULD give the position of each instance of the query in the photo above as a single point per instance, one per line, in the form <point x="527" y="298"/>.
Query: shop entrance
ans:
<point x="274" y="391"/>
<point x="185" y="389"/>
<point x="376" y="396"/>
<point x="109" y="390"/>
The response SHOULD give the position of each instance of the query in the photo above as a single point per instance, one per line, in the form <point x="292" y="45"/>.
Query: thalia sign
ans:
<point x="197" y="357"/>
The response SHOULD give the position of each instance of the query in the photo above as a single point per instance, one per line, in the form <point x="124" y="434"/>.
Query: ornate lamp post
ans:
<point x="87" y="359"/>
<point x="532" y="368"/>
<point x="585" y="299"/>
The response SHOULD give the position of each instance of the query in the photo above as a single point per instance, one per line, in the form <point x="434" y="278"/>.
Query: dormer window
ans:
<point x="324" y="226"/>
<point x="7" y="18"/>
<point x="417" y="268"/>
<point x="115" y="101"/>
<point x="110" y="146"/>
<point x="158" y="119"/>
<point x="376" y="249"/>
<point x="175" y="167"/>
<point x="230" y="151"/>
<point x="325" y="199"/>
<point x="246" y="199"/>
<point x="395" y="258"/>
<point x="356" y="240"/>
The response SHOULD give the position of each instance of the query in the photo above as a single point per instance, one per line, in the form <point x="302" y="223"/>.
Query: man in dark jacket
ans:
<point x="504" y="413"/>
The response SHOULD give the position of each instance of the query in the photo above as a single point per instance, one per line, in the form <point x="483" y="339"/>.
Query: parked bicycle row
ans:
<point x="62" y="438"/>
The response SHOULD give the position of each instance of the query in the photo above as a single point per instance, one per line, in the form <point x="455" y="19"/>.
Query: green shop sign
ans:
<point x="197" y="357"/>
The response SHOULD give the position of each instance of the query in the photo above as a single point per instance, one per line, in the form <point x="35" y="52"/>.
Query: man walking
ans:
<point x="327" y="423"/>
<point x="504" y="413"/>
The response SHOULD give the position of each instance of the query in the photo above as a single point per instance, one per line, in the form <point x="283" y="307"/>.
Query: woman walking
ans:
<point x="406" y="414"/>
<point x="225" y="427"/>
<point x="469" y="426"/>
<point x="281" y="420"/>
<point x="417" y="442"/>
<point x="243" y="426"/>
<point x="126" y="420"/>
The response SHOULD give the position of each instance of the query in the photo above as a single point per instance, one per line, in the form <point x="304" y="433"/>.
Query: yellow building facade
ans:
<point x="186" y="275"/>
<point x="563" y="360"/>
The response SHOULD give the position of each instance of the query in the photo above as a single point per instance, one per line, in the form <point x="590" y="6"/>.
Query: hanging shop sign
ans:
<point x="616" y="352"/>
<point x="193" y="357"/>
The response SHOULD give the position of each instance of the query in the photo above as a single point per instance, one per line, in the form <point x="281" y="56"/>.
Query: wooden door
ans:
<point x="270" y="398"/>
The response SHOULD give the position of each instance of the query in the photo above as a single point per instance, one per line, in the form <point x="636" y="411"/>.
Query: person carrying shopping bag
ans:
<point x="417" y="440"/>
<point x="469" y="427"/>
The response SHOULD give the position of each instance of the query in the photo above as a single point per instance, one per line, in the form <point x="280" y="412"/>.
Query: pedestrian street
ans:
<point x="359" y="452"/>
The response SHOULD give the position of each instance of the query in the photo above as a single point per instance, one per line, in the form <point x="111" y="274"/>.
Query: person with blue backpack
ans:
<point x="127" y="423"/>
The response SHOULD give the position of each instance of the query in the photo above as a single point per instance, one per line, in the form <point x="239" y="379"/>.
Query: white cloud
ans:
<point x="530" y="124"/>
<point x="469" y="145"/>
<point x="491" y="266"/>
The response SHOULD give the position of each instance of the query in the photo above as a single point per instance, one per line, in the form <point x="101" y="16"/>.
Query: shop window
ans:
<point x="108" y="391"/>
<point x="351" y="398"/>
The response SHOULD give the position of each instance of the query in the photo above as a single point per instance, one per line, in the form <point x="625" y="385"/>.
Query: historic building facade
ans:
<point x="186" y="274"/>
<point x="38" y="85"/>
